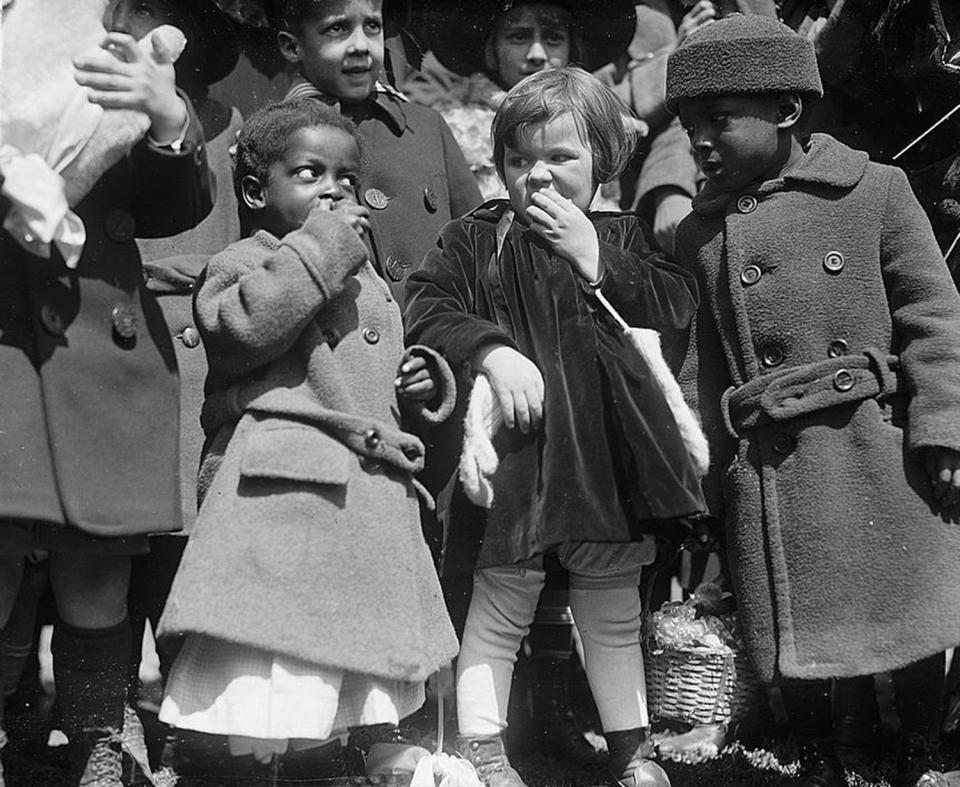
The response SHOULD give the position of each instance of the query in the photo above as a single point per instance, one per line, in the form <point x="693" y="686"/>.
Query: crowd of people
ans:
<point x="358" y="347"/>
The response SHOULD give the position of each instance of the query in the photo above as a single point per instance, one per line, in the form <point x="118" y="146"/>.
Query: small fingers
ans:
<point x="122" y="46"/>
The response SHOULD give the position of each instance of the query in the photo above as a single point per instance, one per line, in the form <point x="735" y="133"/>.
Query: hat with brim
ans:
<point x="212" y="50"/>
<point x="457" y="32"/>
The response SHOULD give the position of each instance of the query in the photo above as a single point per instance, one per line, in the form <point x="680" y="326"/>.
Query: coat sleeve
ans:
<point x="442" y="308"/>
<point x="646" y="288"/>
<point x="464" y="191"/>
<point x="172" y="191"/>
<point x="925" y="308"/>
<point x="668" y="164"/>
<point x="251" y="309"/>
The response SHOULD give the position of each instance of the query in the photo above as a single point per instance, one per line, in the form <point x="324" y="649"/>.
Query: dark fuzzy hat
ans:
<point x="457" y="31"/>
<point x="740" y="55"/>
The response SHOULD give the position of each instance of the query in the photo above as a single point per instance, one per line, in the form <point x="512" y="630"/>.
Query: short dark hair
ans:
<point x="265" y="135"/>
<point x="546" y="95"/>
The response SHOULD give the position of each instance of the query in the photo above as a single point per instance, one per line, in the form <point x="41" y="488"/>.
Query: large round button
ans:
<point x="125" y="321"/>
<point x="782" y="444"/>
<point x="843" y="380"/>
<point x="430" y="199"/>
<point x="412" y="452"/>
<point x="837" y="348"/>
<point x="372" y="438"/>
<point x="120" y="226"/>
<point x="772" y="355"/>
<point x="51" y="320"/>
<point x="371" y="335"/>
<point x="376" y="199"/>
<point x="747" y="203"/>
<point x="833" y="261"/>
<point x="396" y="268"/>
<point x="750" y="275"/>
<point x="190" y="337"/>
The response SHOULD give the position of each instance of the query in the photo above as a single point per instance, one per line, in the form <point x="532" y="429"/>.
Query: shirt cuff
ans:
<point x="176" y="145"/>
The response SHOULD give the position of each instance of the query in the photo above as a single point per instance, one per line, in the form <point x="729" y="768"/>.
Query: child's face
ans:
<point x="339" y="48"/>
<point x="550" y="156"/>
<point x="736" y="140"/>
<point x="318" y="168"/>
<point x="530" y="37"/>
<point x="138" y="17"/>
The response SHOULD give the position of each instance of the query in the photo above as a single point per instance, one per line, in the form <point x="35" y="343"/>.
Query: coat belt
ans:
<point x="800" y="390"/>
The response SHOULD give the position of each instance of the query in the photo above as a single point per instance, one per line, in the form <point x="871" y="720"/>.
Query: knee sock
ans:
<point x="919" y="696"/>
<point x="502" y="606"/>
<point x="808" y="706"/>
<point x="609" y="624"/>
<point x="90" y="670"/>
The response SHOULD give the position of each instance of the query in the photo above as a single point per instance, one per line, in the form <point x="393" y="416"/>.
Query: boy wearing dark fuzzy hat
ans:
<point x="825" y="362"/>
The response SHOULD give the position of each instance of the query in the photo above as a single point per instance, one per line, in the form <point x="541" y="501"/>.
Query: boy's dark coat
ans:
<point x="840" y="566"/>
<point x="89" y="395"/>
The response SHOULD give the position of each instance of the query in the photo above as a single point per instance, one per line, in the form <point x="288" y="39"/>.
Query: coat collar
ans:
<point x="385" y="101"/>
<point x="825" y="162"/>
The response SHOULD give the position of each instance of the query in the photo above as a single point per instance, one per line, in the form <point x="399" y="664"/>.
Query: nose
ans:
<point x="536" y="53"/>
<point x="540" y="174"/>
<point x="358" y="41"/>
<point x="700" y="141"/>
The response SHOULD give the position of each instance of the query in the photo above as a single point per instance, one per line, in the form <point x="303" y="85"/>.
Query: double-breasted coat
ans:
<point x="825" y="359"/>
<point x="308" y="539"/>
<point x="89" y="398"/>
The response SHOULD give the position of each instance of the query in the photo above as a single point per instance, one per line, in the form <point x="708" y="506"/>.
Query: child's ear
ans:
<point x="789" y="110"/>
<point x="252" y="190"/>
<point x="289" y="46"/>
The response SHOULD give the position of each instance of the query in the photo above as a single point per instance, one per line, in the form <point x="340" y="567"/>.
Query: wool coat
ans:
<point x="89" y="399"/>
<point x="825" y="359"/>
<point x="308" y="539"/>
<point x="609" y="453"/>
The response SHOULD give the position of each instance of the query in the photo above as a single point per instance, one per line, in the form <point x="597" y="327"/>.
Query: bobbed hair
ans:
<point x="601" y="117"/>
<point x="265" y="135"/>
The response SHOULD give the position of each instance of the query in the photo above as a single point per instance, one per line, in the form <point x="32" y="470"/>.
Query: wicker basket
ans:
<point x="699" y="686"/>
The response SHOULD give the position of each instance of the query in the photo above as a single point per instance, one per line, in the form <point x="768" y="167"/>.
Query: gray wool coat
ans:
<point x="308" y="539"/>
<point x="824" y="359"/>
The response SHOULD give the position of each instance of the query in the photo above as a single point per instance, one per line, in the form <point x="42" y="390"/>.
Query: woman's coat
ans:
<point x="826" y="358"/>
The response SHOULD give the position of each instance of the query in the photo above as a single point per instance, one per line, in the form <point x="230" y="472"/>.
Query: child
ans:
<point x="826" y="361"/>
<point x="583" y="471"/>
<point x="306" y="592"/>
<point x="88" y="456"/>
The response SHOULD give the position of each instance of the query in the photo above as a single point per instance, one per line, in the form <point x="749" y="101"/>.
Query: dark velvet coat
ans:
<point x="609" y="452"/>
<point x="826" y="358"/>
<point x="89" y="399"/>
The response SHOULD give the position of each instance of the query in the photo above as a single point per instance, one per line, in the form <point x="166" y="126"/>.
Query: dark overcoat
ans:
<point x="826" y="358"/>
<point x="89" y="395"/>
<point x="308" y="539"/>
<point x="609" y="452"/>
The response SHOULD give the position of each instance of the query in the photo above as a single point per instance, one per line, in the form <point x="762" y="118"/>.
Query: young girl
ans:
<point x="591" y="456"/>
<point x="307" y="594"/>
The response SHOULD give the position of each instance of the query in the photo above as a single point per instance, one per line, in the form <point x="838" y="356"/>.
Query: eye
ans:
<point x="335" y="28"/>
<point x="555" y="38"/>
<point x="719" y="118"/>
<point x="373" y="27"/>
<point x="348" y="181"/>
<point x="516" y="162"/>
<point x="306" y="174"/>
<point x="560" y="158"/>
<point x="518" y="36"/>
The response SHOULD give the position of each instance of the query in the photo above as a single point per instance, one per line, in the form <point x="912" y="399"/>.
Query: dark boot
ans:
<point x="554" y="725"/>
<point x="809" y="707"/>
<point x="631" y="760"/>
<point x="819" y="764"/>
<point x="917" y="755"/>
<point x="489" y="757"/>
<point x="856" y="722"/>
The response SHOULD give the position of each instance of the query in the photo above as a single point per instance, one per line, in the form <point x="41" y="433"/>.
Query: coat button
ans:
<point x="372" y="438"/>
<point x="125" y="320"/>
<point x="396" y="268"/>
<point x="120" y="226"/>
<point x="782" y="444"/>
<point x="843" y="380"/>
<point x="51" y="320"/>
<point x="411" y="452"/>
<point x="833" y="261"/>
<point x="747" y="203"/>
<point x="837" y="348"/>
<point x="371" y="335"/>
<point x="772" y="355"/>
<point x="750" y="275"/>
<point x="376" y="199"/>
<point x="190" y="337"/>
<point x="430" y="199"/>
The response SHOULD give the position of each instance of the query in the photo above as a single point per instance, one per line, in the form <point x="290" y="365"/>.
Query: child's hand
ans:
<point x="416" y="380"/>
<point x="357" y="216"/>
<point x="517" y="383"/>
<point x="122" y="76"/>
<point x="702" y="13"/>
<point x="943" y="467"/>
<point x="568" y="230"/>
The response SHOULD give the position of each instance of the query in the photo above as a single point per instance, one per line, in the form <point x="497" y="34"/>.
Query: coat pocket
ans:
<point x="295" y="452"/>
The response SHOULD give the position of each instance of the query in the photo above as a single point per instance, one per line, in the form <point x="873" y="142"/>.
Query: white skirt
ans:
<point x="228" y="689"/>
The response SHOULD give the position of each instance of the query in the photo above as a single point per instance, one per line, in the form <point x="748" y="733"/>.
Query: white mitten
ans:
<point x="479" y="461"/>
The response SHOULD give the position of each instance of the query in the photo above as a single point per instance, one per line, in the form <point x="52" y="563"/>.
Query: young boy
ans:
<point x="826" y="363"/>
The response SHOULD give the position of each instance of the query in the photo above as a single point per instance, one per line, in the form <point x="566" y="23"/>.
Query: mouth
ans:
<point x="356" y="70"/>
<point x="710" y="167"/>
